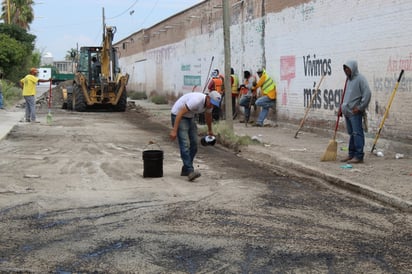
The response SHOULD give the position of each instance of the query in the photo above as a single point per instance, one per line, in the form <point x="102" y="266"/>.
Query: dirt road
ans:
<point x="73" y="199"/>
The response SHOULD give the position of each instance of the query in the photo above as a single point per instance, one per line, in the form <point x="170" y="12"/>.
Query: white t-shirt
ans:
<point x="194" y="101"/>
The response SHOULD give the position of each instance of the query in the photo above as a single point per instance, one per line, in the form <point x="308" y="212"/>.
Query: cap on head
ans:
<point x="260" y="71"/>
<point x="215" y="73"/>
<point x="215" y="98"/>
<point x="33" y="71"/>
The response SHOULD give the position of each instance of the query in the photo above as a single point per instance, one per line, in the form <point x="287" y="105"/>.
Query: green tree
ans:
<point x="71" y="55"/>
<point x="20" y="34"/>
<point x="12" y="54"/>
<point x="21" y="12"/>
<point x="16" y="51"/>
<point x="36" y="58"/>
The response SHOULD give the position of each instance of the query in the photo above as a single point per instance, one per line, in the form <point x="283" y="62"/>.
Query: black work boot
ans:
<point x="184" y="172"/>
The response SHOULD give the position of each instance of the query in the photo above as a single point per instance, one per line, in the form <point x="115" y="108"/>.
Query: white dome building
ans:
<point x="47" y="59"/>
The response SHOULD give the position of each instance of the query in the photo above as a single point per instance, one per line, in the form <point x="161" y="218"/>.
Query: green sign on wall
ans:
<point x="191" y="80"/>
<point x="185" y="68"/>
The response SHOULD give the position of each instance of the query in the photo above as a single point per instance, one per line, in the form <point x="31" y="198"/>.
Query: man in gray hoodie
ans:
<point x="355" y="102"/>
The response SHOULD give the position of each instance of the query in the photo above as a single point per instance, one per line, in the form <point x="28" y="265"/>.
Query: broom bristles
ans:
<point x="331" y="151"/>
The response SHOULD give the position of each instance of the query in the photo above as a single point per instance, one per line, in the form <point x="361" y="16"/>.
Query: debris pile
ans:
<point x="56" y="98"/>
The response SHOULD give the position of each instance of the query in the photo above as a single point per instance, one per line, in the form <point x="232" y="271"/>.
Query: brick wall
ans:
<point x="296" y="41"/>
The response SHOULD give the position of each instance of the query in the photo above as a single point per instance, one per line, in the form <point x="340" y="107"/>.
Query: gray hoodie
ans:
<point x="357" y="92"/>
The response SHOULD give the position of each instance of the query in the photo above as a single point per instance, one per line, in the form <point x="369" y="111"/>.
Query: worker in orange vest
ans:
<point x="217" y="84"/>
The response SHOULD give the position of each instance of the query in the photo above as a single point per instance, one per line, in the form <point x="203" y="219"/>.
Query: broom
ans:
<point x="332" y="149"/>
<point x="49" y="117"/>
<point x="309" y="106"/>
<point x="386" y="111"/>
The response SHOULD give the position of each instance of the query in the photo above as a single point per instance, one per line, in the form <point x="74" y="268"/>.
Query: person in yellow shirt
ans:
<point x="267" y="99"/>
<point x="28" y="84"/>
<point x="234" y="80"/>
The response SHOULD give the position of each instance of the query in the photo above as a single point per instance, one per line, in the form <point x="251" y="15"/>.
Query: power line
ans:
<point x="129" y="8"/>
<point x="150" y="13"/>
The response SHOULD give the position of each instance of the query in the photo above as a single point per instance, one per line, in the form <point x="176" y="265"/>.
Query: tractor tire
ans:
<point x="79" y="103"/>
<point x="69" y="103"/>
<point x="122" y="104"/>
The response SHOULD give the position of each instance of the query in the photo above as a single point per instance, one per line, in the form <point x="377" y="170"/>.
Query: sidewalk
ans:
<point x="13" y="115"/>
<point x="8" y="119"/>
<point x="384" y="179"/>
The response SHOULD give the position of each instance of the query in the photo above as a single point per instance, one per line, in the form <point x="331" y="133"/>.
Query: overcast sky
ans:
<point x="60" y="25"/>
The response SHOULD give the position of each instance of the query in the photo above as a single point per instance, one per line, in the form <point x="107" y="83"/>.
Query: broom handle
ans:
<point x="387" y="111"/>
<point x="309" y="106"/>
<point x="208" y="75"/>
<point x="50" y="94"/>
<point x="340" y="110"/>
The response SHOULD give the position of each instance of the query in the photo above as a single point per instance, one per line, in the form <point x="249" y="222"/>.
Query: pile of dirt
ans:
<point x="56" y="96"/>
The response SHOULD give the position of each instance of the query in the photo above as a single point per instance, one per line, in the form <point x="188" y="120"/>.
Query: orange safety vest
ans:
<point x="218" y="84"/>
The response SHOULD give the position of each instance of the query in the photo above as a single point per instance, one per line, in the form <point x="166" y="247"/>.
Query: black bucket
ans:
<point x="152" y="163"/>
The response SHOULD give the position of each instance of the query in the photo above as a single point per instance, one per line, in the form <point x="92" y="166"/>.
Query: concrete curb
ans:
<point x="364" y="190"/>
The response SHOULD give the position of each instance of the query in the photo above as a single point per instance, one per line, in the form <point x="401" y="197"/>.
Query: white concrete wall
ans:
<point x="376" y="33"/>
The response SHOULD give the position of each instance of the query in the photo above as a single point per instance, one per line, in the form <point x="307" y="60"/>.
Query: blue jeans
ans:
<point x="266" y="103"/>
<point x="187" y="139"/>
<point x="357" y="137"/>
<point x="1" y="99"/>
<point x="30" y="108"/>
<point x="245" y="102"/>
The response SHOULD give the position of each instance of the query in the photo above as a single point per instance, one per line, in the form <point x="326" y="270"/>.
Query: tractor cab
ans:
<point x="90" y="64"/>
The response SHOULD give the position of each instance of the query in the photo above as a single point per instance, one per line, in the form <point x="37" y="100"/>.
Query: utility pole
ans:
<point x="103" y="24"/>
<point x="228" y="85"/>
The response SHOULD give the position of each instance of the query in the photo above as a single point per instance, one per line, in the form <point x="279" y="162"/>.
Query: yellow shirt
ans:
<point x="29" y="85"/>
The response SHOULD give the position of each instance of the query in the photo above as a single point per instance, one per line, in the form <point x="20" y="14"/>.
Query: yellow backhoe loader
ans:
<point x="98" y="81"/>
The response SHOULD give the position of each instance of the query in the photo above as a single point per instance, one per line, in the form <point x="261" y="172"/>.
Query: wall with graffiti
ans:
<point x="298" y="45"/>
<point x="318" y="37"/>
